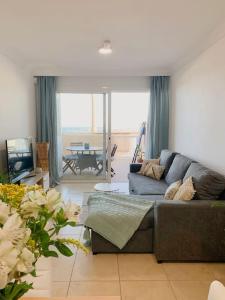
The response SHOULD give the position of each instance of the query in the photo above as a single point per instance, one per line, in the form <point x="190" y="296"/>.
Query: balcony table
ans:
<point x="86" y="158"/>
<point x="83" y="149"/>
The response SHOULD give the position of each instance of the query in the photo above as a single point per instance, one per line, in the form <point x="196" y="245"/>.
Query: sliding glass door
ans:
<point x="86" y="136"/>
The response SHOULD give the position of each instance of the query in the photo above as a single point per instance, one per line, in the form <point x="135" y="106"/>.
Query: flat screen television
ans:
<point x="20" y="161"/>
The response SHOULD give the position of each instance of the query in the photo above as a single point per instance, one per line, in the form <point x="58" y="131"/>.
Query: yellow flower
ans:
<point x="12" y="194"/>
<point x="75" y="243"/>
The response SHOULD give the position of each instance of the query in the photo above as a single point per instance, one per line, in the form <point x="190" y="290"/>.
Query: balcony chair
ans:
<point x="70" y="160"/>
<point x="100" y="160"/>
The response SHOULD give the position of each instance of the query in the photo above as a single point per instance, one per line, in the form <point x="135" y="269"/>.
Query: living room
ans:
<point x="164" y="236"/>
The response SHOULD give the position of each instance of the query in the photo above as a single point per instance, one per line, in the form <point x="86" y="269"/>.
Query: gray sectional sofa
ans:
<point x="177" y="230"/>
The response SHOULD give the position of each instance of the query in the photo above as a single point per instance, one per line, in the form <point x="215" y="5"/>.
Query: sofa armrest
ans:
<point x="134" y="168"/>
<point x="192" y="230"/>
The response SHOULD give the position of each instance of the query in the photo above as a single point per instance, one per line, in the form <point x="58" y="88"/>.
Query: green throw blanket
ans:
<point x="116" y="217"/>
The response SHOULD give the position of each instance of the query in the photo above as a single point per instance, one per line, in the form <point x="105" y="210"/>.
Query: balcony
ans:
<point x="125" y="141"/>
<point x="84" y="117"/>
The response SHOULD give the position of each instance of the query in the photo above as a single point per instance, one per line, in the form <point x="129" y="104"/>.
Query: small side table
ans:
<point x="114" y="187"/>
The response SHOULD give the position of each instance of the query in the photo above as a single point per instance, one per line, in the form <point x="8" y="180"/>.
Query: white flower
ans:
<point x="4" y="270"/>
<point x="37" y="197"/>
<point x="14" y="231"/>
<point x="8" y="260"/>
<point x="31" y="203"/>
<point x="30" y="209"/>
<point x="4" y="212"/>
<point x="26" y="260"/>
<point x="71" y="211"/>
<point x="53" y="200"/>
<point x="13" y="222"/>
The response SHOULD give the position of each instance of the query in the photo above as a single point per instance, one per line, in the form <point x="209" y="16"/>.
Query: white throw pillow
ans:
<point x="172" y="190"/>
<point x="154" y="171"/>
<point x="146" y="163"/>
<point x="186" y="190"/>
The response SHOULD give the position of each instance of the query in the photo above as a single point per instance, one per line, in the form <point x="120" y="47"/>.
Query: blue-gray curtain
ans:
<point x="158" y="116"/>
<point x="46" y="121"/>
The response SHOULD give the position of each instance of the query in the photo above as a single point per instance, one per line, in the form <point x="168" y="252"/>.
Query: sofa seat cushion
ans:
<point x="166" y="159"/>
<point x="178" y="169"/>
<point x="142" y="185"/>
<point x="208" y="184"/>
<point x="148" y="221"/>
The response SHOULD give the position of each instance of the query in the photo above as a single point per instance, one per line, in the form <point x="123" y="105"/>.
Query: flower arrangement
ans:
<point x="30" y="223"/>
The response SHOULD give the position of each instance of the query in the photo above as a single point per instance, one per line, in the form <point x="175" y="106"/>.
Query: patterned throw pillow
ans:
<point x="154" y="171"/>
<point x="145" y="164"/>
<point x="186" y="191"/>
<point x="172" y="190"/>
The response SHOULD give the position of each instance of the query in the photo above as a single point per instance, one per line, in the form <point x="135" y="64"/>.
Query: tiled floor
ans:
<point x="133" y="276"/>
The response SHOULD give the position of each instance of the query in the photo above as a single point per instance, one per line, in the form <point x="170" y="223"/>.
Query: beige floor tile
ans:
<point x="74" y="187"/>
<point x="188" y="271"/>
<point x="140" y="267"/>
<point x="190" y="290"/>
<point x="81" y="187"/>
<point x="42" y="281"/>
<point x="62" y="268"/>
<point x="38" y="294"/>
<point x="69" y="230"/>
<point x="59" y="289"/>
<point x="95" y="267"/>
<point x="75" y="198"/>
<point x="218" y="270"/>
<point x="94" y="288"/>
<point x="146" y="290"/>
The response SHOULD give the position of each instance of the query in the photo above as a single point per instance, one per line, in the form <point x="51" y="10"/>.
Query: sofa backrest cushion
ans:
<point x="166" y="159"/>
<point x="209" y="185"/>
<point x="178" y="168"/>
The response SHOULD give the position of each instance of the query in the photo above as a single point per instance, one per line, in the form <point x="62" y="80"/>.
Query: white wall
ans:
<point x="67" y="84"/>
<point x="197" y="126"/>
<point x="17" y="113"/>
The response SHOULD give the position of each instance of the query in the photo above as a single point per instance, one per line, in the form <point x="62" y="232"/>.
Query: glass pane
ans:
<point x="76" y="112"/>
<point x="129" y="111"/>
<point x="98" y="113"/>
<point x="133" y="106"/>
<point x="82" y="136"/>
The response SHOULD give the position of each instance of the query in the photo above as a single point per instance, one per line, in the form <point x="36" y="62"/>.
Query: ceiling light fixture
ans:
<point x="106" y="48"/>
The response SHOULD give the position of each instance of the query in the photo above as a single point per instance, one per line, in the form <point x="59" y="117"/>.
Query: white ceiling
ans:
<point x="148" y="37"/>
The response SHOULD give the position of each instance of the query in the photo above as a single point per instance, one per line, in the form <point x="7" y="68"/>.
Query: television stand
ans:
<point x="41" y="179"/>
<point x="32" y="174"/>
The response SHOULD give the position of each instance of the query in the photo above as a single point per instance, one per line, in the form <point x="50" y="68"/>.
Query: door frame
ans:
<point x="107" y="134"/>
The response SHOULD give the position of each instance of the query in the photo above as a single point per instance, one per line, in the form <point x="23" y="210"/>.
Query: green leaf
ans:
<point x="4" y="178"/>
<point x="33" y="273"/>
<point x="44" y="237"/>
<point x="49" y="253"/>
<point x="63" y="249"/>
<point x="15" y="290"/>
<point x="71" y="223"/>
<point x="60" y="219"/>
